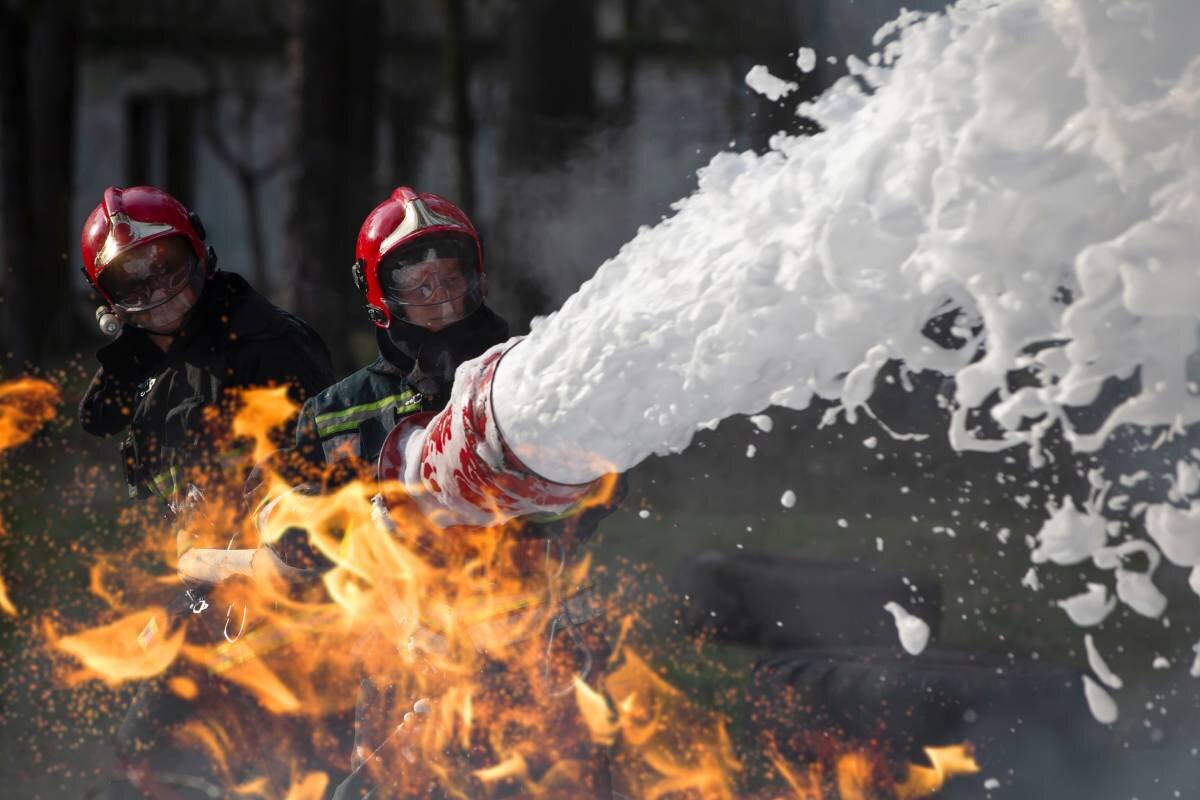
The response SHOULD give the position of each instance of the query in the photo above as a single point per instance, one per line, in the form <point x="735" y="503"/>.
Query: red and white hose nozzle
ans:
<point x="459" y="467"/>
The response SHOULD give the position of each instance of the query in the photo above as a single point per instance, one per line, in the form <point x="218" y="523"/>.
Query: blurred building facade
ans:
<point x="561" y="127"/>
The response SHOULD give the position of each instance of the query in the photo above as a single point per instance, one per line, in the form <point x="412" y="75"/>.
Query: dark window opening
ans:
<point x="160" y="143"/>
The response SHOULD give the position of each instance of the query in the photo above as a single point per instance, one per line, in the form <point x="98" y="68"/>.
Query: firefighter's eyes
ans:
<point x="453" y="284"/>
<point x="426" y="290"/>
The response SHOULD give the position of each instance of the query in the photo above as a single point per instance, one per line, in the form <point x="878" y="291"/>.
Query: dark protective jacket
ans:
<point x="165" y="401"/>
<point x="349" y="420"/>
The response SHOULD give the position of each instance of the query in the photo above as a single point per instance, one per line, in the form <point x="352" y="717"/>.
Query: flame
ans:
<point x="262" y="411"/>
<point x="601" y="719"/>
<point x="26" y="404"/>
<point x="6" y="604"/>
<point x="854" y="776"/>
<point x="96" y="583"/>
<point x="860" y="775"/>
<point x="947" y="762"/>
<point x="482" y="686"/>
<point x="132" y="648"/>
<point x="310" y="787"/>
<point x="184" y="687"/>
<point x="513" y="766"/>
<point x="805" y="786"/>
<point x="667" y="744"/>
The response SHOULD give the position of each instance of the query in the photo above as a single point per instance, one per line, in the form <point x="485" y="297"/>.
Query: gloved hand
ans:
<point x="131" y="357"/>
<point x="125" y="363"/>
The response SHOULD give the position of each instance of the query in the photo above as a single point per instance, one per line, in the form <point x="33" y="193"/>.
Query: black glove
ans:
<point x="125" y="363"/>
<point x="131" y="357"/>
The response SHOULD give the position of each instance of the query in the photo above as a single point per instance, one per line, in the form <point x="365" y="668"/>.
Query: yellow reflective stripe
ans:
<point x="166" y="481"/>
<point x="330" y="416"/>
<point x="354" y="423"/>
<point x="346" y="419"/>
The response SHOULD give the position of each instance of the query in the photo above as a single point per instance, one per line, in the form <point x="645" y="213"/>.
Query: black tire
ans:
<point x="780" y="600"/>
<point x="1021" y="714"/>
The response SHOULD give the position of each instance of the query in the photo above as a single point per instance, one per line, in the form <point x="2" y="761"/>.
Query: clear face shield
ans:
<point x="155" y="285"/>
<point x="432" y="284"/>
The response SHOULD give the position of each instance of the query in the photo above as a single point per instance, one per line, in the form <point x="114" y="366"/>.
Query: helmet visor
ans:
<point x="430" y="273"/>
<point x="149" y="275"/>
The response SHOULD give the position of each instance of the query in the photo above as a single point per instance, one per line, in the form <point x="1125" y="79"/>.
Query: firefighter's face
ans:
<point x="154" y="286"/>
<point x="433" y="292"/>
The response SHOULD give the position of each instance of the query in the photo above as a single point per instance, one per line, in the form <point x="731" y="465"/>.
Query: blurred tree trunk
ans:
<point x="52" y="69"/>
<point x="457" y="76"/>
<point x="631" y="32"/>
<point x="552" y="100"/>
<point x="19" y="312"/>
<point x="552" y="49"/>
<point x="335" y="59"/>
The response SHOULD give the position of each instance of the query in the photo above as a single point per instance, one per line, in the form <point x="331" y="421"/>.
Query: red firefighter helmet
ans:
<point x="129" y="218"/>
<point x="405" y="219"/>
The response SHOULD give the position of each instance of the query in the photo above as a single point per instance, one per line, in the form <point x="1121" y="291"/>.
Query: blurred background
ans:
<point x="560" y="127"/>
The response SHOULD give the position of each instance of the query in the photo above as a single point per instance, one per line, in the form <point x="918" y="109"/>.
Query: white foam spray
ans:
<point x="760" y="79"/>
<point x="1100" y="666"/>
<point x="1089" y="608"/>
<point x="806" y="59"/>
<point x="1034" y="165"/>
<point x="1100" y="702"/>
<point x="1031" y="167"/>
<point x="913" y="631"/>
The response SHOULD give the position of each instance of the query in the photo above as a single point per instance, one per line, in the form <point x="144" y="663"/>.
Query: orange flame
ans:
<point x="806" y="786"/>
<point x="6" y="604"/>
<point x="947" y="762"/>
<point x="262" y="412"/>
<point x="134" y="647"/>
<point x="668" y="745"/>
<point x="465" y="628"/>
<point x="26" y="404"/>
<point x="310" y="787"/>
<point x="854" y="776"/>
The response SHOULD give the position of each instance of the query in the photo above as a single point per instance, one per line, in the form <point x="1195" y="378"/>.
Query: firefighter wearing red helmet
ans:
<point x="144" y="253"/>
<point x="188" y="333"/>
<point x="419" y="266"/>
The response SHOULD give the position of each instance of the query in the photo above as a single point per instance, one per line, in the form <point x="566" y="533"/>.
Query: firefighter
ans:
<point x="186" y="335"/>
<point x="419" y="265"/>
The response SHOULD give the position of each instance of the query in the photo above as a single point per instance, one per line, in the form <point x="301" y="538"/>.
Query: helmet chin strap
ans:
<point x="166" y="335"/>
<point x="429" y="358"/>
